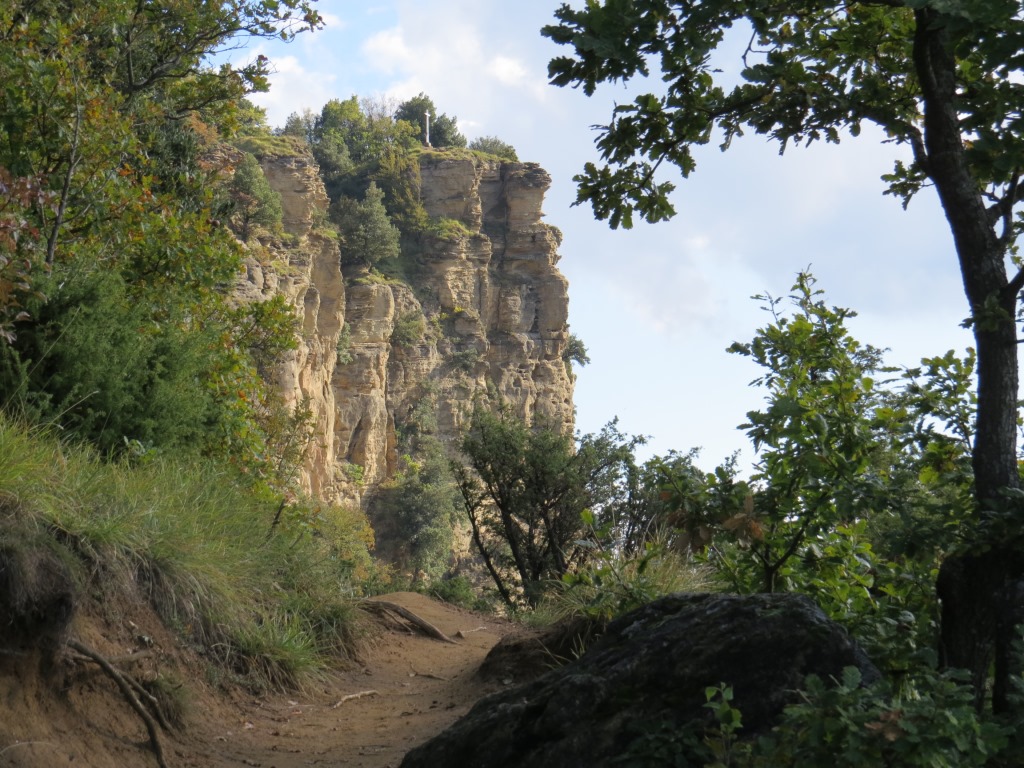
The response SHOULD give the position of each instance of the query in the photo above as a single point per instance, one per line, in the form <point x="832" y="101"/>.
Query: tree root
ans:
<point x="422" y="624"/>
<point x="128" y="690"/>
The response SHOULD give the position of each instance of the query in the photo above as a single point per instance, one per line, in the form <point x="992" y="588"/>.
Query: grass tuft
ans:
<point x="272" y="601"/>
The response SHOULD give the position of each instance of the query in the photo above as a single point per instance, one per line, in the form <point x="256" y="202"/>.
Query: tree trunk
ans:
<point x="974" y="586"/>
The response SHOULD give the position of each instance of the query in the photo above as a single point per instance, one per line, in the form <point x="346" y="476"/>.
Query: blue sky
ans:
<point x="656" y="305"/>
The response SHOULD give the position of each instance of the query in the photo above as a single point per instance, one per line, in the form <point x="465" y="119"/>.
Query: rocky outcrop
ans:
<point x="648" y="673"/>
<point x="305" y="269"/>
<point x="481" y="316"/>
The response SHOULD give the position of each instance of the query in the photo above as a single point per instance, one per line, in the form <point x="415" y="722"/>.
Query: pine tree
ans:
<point x="366" y="228"/>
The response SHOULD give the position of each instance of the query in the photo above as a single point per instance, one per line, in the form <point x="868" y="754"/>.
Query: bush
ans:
<point x="932" y="723"/>
<point x="459" y="590"/>
<point x="409" y="329"/>
<point x="492" y="145"/>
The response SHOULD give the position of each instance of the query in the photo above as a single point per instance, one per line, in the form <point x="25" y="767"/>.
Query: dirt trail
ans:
<point x="420" y="686"/>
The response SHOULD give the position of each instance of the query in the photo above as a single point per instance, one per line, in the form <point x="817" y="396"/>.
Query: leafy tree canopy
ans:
<point x="108" y="113"/>
<point x="534" y="494"/>
<point x="444" y="130"/>
<point x="942" y="79"/>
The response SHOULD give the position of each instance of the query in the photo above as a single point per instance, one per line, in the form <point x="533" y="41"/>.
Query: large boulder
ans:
<point x="647" y="673"/>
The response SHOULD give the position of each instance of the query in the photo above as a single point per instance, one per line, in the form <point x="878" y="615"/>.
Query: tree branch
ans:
<point x="73" y="161"/>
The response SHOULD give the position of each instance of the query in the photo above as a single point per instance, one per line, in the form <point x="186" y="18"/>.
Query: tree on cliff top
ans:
<point x="942" y="78"/>
<point x="444" y="130"/>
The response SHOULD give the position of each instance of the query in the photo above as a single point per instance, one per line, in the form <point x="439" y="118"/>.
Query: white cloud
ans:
<point x="387" y="52"/>
<point x="333" y="22"/>
<point x="507" y="70"/>
<point x="293" y="88"/>
<point x="452" y="53"/>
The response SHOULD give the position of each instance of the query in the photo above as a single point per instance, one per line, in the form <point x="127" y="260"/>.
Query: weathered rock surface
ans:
<point x="488" y="301"/>
<point x="650" y="670"/>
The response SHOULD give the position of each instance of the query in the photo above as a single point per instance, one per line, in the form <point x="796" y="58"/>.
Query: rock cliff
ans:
<point x="480" y="314"/>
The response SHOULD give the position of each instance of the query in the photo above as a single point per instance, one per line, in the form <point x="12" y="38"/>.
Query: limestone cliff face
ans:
<point x="482" y="315"/>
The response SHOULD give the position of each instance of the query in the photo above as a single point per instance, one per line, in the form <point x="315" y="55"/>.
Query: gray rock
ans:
<point x="649" y="671"/>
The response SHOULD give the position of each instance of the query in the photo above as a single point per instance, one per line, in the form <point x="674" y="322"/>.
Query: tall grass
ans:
<point x="579" y="607"/>
<point x="272" y="603"/>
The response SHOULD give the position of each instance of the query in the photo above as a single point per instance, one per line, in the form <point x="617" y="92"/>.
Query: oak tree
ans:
<point x="942" y="78"/>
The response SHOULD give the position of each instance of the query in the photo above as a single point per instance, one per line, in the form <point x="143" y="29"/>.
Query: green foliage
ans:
<point x="939" y="78"/>
<point x="933" y="722"/>
<point x="249" y="119"/>
<point x="344" y="346"/>
<point x="930" y="722"/>
<point x="828" y="443"/>
<point x="398" y="175"/>
<point x="354" y="472"/>
<point x="266" y="145"/>
<point x="805" y="77"/>
<point x="492" y="145"/>
<point x="409" y="329"/>
<point x="125" y="233"/>
<point x="94" y="361"/>
<point x="368" y="236"/>
<point x="526" y="492"/>
<point x="821" y="456"/>
<point x="265" y="596"/>
<point x="859" y="490"/>
<point x="255" y="203"/>
<point x="301" y="125"/>
<point x="465" y="359"/>
<point x="417" y="512"/>
<point x="444" y="130"/>
<point x="459" y="590"/>
<point x="448" y="229"/>
<point x="354" y="146"/>
<point x="610" y="584"/>
<point x="575" y="351"/>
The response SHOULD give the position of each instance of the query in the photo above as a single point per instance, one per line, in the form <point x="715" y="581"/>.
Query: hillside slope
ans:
<point x="77" y="717"/>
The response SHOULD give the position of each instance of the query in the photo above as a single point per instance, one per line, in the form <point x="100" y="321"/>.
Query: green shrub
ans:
<point x="610" y="584"/>
<point x="255" y="202"/>
<point x="448" y="229"/>
<point x="459" y="590"/>
<point x="932" y="722"/>
<point x="344" y="346"/>
<point x="409" y="329"/>
<point x="492" y="145"/>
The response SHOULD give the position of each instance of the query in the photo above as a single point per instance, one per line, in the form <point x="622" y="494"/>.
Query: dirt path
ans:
<point x="420" y="686"/>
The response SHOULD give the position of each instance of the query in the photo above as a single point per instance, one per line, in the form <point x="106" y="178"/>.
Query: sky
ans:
<point x="657" y="305"/>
